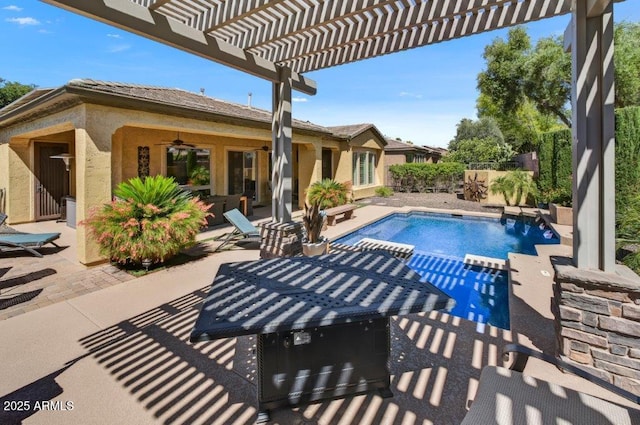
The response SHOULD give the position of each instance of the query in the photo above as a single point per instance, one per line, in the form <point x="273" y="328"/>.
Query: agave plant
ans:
<point x="313" y="221"/>
<point x="150" y="220"/>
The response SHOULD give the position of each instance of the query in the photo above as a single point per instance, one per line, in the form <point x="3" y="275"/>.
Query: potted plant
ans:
<point x="313" y="220"/>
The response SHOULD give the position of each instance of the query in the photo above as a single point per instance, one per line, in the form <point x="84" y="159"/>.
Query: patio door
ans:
<point x="51" y="179"/>
<point x="242" y="172"/>
<point x="327" y="164"/>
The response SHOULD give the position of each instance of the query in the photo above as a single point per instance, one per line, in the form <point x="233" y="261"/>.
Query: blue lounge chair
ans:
<point x="245" y="232"/>
<point x="27" y="241"/>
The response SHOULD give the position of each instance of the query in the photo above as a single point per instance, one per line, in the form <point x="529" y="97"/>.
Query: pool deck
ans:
<point x="120" y="353"/>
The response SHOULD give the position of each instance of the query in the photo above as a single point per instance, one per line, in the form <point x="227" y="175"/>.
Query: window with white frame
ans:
<point x="364" y="168"/>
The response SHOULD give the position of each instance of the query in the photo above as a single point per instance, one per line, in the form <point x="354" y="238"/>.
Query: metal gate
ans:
<point x="52" y="180"/>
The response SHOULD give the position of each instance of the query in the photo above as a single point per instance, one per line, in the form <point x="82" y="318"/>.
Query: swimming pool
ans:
<point x="441" y="242"/>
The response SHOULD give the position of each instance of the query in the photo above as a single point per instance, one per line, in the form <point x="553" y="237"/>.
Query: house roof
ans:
<point x="184" y="99"/>
<point x="354" y="130"/>
<point x="170" y="100"/>
<point x="397" y="145"/>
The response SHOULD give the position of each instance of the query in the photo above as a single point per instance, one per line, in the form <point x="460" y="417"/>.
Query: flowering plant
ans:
<point x="151" y="219"/>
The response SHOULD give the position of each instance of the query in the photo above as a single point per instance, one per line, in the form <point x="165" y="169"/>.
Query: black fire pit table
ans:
<point x="322" y="322"/>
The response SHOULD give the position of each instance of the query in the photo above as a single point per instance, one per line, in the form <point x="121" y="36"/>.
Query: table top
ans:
<point x="294" y="293"/>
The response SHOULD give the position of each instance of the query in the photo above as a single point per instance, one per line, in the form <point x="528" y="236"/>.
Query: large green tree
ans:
<point x="11" y="90"/>
<point x="484" y="128"/>
<point x="519" y="75"/>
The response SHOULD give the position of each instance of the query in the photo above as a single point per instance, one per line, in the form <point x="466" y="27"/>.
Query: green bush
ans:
<point x="327" y="193"/>
<point x="384" y="192"/>
<point x="554" y="158"/>
<point x="423" y="177"/>
<point x="151" y="219"/>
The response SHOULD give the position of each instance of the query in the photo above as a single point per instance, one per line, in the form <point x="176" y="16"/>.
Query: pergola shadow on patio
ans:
<point x="435" y="363"/>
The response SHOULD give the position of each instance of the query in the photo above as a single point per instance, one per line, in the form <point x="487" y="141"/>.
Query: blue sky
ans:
<point x="418" y="95"/>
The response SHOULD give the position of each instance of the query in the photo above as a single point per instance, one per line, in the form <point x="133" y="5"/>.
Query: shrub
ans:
<point x="151" y="219"/>
<point x="327" y="193"/>
<point x="421" y="177"/>
<point x="629" y="232"/>
<point x="384" y="191"/>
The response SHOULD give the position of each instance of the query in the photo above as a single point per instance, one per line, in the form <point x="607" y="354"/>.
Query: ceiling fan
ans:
<point x="178" y="143"/>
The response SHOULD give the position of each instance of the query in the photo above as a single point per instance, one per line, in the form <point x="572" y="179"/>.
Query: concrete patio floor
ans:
<point x="119" y="355"/>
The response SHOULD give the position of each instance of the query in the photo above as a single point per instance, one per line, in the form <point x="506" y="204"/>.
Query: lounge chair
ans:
<point x="506" y="396"/>
<point x="245" y="232"/>
<point x="3" y="218"/>
<point x="27" y="241"/>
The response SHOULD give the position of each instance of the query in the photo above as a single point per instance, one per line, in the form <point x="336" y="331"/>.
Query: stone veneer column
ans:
<point x="281" y="239"/>
<point x="597" y="317"/>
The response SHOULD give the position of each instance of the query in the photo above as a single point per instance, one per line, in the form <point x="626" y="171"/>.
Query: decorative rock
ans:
<point x="631" y="342"/>
<point x="585" y="302"/>
<point x="579" y="357"/>
<point x="631" y="312"/>
<point x="611" y="295"/>
<point x="598" y="341"/>
<point x="617" y="369"/>
<point x="584" y="328"/>
<point x="571" y="287"/>
<point x="619" y="350"/>
<point x="619" y="281"/>
<point x="590" y="319"/>
<point x="568" y="313"/>
<point x="619" y="360"/>
<point x="618" y="325"/>
<point x="579" y="346"/>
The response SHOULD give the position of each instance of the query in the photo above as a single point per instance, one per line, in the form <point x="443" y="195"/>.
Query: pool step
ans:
<point x="489" y="262"/>
<point x="400" y="250"/>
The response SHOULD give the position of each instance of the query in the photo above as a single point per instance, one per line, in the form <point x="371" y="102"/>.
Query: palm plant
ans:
<point x="516" y="185"/>
<point x="327" y="193"/>
<point x="150" y="220"/>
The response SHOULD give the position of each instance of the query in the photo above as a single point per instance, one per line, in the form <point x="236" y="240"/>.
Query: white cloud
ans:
<point x="299" y="99"/>
<point x="12" y="8"/>
<point x="24" y="21"/>
<point x="114" y="35"/>
<point x="119" y="48"/>
<point x="409" y="94"/>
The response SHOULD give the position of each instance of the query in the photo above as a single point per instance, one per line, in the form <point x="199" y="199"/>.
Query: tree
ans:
<point x="11" y="90"/>
<point x="480" y="150"/>
<point x="517" y="72"/>
<point x="484" y="128"/>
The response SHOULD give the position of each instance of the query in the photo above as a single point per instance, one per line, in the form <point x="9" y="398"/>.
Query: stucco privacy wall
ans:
<point x="487" y="177"/>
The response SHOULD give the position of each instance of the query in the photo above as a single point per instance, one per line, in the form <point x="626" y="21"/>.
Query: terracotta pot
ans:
<point x="313" y="249"/>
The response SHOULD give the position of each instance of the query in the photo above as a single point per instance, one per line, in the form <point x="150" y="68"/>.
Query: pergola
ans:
<point x="280" y="40"/>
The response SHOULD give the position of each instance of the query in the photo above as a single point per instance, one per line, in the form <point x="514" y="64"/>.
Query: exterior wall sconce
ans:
<point x="66" y="157"/>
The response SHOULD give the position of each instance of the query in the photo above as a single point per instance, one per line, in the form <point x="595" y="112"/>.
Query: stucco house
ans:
<point x="113" y="131"/>
<point x="399" y="152"/>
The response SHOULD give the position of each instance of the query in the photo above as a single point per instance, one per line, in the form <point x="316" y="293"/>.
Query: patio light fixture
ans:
<point x="66" y="157"/>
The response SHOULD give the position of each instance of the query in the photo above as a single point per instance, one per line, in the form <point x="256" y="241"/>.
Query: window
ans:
<point x="364" y="168"/>
<point x="191" y="168"/>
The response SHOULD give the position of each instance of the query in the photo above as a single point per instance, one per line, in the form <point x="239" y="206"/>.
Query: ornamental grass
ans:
<point x="151" y="219"/>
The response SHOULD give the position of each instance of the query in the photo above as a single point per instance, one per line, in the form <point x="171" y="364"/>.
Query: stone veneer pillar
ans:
<point x="281" y="240"/>
<point x="597" y="318"/>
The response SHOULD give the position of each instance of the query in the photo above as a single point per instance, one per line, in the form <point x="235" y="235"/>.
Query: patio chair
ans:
<point x="3" y="218"/>
<point x="506" y="396"/>
<point x="27" y="241"/>
<point x="244" y="234"/>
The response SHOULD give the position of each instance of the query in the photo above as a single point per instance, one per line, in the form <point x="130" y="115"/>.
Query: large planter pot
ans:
<point x="313" y="249"/>
<point x="561" y="215"/>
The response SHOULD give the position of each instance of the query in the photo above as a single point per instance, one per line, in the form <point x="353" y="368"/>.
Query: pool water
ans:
<point x="441" y="243"/>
